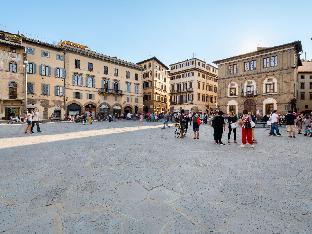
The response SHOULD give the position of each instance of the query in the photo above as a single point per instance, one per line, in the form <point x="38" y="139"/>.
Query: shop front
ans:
<point x="91" y="108"/>
<point x="117" y="110"/>
<point x="73" y="109"/>
<point x="104" y="111"/>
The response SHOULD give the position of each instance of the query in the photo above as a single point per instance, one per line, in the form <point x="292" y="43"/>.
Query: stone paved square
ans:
<point x="124" y="178"/>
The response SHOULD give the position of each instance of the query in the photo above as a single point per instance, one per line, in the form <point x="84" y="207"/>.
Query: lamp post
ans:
<point x="25" y="66"/>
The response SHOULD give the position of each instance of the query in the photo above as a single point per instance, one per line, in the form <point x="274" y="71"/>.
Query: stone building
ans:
<point x="193" y="86"/>
<point x="259" y="81"/>
<point x="12" y="85"/>
<point x="155" y="86"/>
<point x="45" y="78"/>
<point x="304" y="87"/>
<point x="99" y="83"/>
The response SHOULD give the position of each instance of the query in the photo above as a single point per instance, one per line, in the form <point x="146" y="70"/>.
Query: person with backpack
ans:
<point x="246" y="129"/>
<point x="196" y="124"/>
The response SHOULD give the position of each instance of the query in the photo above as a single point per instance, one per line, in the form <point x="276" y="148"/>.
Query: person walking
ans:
<point x="274" y="124"/>
<point x="166" y="121"/>
<point x="35" y="120"/>
<point x="28" y="118"/>
<point x="232" y="122"/>
<point x="290" y="124"/>
<point x="246" y="129"/>
<point x="218" y="125"/>
<point x="196" y="124"/>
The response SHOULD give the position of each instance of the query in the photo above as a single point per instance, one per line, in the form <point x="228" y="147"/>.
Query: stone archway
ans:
<point x="250" y="106"/>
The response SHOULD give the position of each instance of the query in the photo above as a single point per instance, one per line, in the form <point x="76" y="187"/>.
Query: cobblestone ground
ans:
<point x="145" y="181"/>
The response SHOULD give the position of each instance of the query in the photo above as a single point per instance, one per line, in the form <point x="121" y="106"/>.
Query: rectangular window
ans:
<point x="90" y="66"/>
<point x="31" y="68"/>
<point x="302" y="85"/>
<point x="13" y="67"/>
<point x="269" y="88"/>
<point x="90" y="82"/>
<point x="90" y="96"/>
<point x="310" y="85"/>
<point x="30" y="88"/>
<point x="45" y="89"/>
<point x="136" y="76"/>
<point x="302" y="77"/>
<point x="302" y="95"/>
<point x="127" y="75"/>
<point x="77" y="63"/>
<point x="233" y="92"/>
<point x="77" y="95"/>
<point x="310" y="96"/>
<point x="198" y="96"/>
<point x="59" y="72"/>
<point x="128" y="84"/>
<point x="266" y="62"/>
<point x="136" y="88"/>
<point x="136" y="100"/>
<point x="59" y="57"/>
<point x="45" y="54"/>
<point x="45" y="70"/>
<point x="77" y="80"/>
<point x="59" y="91"/>
<point x="274" y="61"/>
<point x="116" y="72"/>
<point x="30" y="50"/>
<point x="105" y="70"/>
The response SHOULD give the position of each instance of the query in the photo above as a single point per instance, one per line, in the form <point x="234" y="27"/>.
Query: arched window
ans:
<point x="250" y="88"/>
<point x="116" y="86"/>
<point x="12" y="90"/>
<point x="270" y="85"/>
<point x="233" y="89"/>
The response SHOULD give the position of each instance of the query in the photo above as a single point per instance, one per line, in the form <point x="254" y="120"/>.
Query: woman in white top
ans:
<point x="29" y="122"/>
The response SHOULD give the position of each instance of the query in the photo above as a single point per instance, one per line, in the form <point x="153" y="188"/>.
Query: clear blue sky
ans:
<point x="172" y="30"/>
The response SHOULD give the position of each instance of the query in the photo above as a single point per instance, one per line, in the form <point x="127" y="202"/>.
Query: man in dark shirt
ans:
<point x="183" y="123"/>
<point x="290" y="124"/>
<point x="218" y="127"/>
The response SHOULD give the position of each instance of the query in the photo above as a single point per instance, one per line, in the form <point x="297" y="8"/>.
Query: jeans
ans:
<point x="33" y="125"/>
<point x="274" y="128"/>
<point x="234" y="132"/>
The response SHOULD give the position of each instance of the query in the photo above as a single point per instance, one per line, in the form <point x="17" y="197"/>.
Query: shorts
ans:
<point x="195" y="127"/>
<point x="29" y="123"/>
<point x="291" y="128"/>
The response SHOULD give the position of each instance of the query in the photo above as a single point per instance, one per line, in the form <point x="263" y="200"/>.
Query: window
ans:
<point x="59" y="72"/>
<point x="128" y="84"/>
<point x="301" y="85"/>
<point x="274" y="61"/>
<point x="198" y="96"/>
<point x="77" y="80"/>
<point x="302" y="95"/>
<point x="198" y="84"/>
<point x="233" y="69"/>
<point x="149" y="65"/>
<point x="45" y="54"/>
<point x="215" y="89"/>
<point x="90" y="82"/>
<point x="128" y="99"/>
<point x="45" y="89"/>
<point x="30" y="50"/>
<point x="12" y="90"/>
<point x="310" y="77"/>
<point x="306" y="106"/>
<point x="31" y="68"/>
<point x="136" y="88"/>
<point x="45" y="70"/>
<point x="270" y="62"/>
<point x="233" y="92"/>
<point x="90" y="96"/>
<point x="59" y="91"/>
<point x="77" y="95"/>
<point x="30" y="88"/>
<point x="13" y="67"/>
<point x="250" y="65"/>
<point x="136" y="76"/>
<point x="116" y="72"/>
<point x="90" y="66"/>
<point x="59" y="57"/>
<point x="116" y="86"/>
<point x="105" y="70"/>
<point x="270" y="88"/>
<point x="127" y="75"/>
<point x="77" y="63"/>
<point x="310" y="96"/>
<point x="266" y="62"/>
<point x="310" y="85"/>
<point x="203" y="98"/>
<point x="136" y="100"/>
<point x="302" y="77"/>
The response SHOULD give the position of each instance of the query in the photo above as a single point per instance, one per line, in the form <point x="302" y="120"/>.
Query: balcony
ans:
<point x="110" y="91"/>
<point x="249" y="94"/>
<point x="181" y="91"/>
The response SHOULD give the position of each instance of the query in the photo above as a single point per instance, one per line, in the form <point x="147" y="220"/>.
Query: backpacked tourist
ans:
<point x="28" y="118"/>
<point x="246" y="129"/>
<point x="274" y="124"/>
<point x="290" y="124"/>
<point x="232" y="121"/>
<point x="299" y="122"/>
<point x="196" y="124"/>
<point x="35" y="120"/>
<point x="218" y="125"/>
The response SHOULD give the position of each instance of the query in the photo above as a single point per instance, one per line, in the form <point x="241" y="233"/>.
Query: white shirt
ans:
<point x="274" y="118"/>
<point x="36" y="116"/>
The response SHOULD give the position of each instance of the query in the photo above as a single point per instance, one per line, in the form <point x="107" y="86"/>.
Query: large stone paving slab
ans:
<point x="147" y="181"/>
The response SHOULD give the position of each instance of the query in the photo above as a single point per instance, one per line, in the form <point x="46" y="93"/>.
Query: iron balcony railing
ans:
<point x="110" y="91"/>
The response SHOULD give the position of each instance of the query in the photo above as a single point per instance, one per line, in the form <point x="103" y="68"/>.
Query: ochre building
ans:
<point x="260" y="81"/>
<point x="155" y="86"/>
<point x="304" y="87"/>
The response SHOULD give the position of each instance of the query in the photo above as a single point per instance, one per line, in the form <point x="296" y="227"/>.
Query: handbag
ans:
<point x="252" y="123"/>
<point x="198" y="121"/>
<point x="234" y="125"/>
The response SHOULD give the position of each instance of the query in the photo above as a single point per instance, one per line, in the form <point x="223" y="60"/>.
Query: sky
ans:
<point x="171" y="30"/>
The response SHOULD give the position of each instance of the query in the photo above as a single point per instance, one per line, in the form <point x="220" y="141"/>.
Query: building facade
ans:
<point x="260" y="81"/>
<point x="45" y="78"/>
<point x="155" y="86"/>
<point x="100" y="84"/>
<point x="193" y="86"/>
<point x="12" y="82"/>
<point x="304" y="87"/>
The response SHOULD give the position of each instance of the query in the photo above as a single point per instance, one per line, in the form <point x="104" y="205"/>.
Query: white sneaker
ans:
<point x="242" y="145"/>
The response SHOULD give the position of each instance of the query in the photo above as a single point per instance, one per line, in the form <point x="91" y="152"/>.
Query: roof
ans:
<point x="296" y="44"/>
<point x="156" y="59"/>
<point x="9" y="43"/>
<point x="42" y="43"/>
<point x="189" y="60"/>
<point x="306" y="67"/>
<point x="103" y="57"/>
